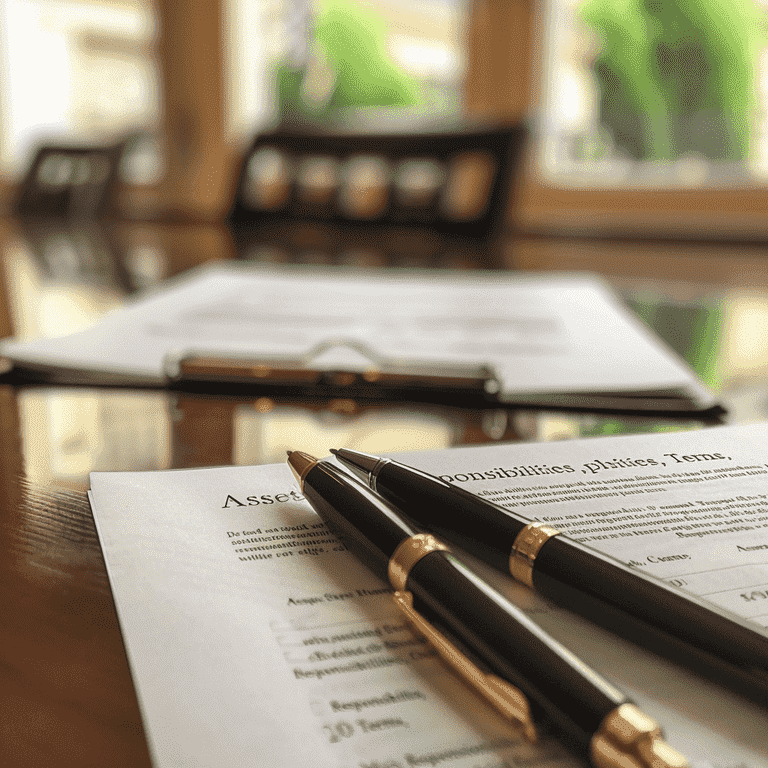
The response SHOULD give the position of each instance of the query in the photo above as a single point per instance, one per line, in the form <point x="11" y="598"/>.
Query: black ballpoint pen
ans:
<point x="432" y="586"/>
<point x="645" y="608"/>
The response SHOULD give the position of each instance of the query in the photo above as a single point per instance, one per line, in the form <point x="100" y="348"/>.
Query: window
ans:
<point x="522" y="55"/>
<point x="78" y="71"/>
<point x="420" y="43"/>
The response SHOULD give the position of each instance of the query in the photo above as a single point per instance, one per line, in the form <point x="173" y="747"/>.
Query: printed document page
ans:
<point x="553" y="334"/>
<point x="253" y="635"/>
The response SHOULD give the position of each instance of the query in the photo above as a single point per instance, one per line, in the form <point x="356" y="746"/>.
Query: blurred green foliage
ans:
<point x="348" y="66"/>
<point x="677" y="76"/>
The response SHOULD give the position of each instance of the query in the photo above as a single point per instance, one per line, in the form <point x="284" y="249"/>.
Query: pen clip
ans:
<point x="506" y="699"/>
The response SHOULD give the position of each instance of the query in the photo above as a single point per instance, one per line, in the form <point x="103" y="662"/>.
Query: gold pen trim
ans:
<point x="510" y="702"/>
<point x="628" y="738"/>
<point x="408" y="553"/>
<point x="526" y="547"/>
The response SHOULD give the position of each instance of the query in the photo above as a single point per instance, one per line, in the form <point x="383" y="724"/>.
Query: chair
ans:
<point x="69" y="181"/>
<point x="306" y="193"/>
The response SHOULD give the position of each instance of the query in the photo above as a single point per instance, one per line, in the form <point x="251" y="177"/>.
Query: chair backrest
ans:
<point x="452" y="182"/>
<point x="69" y="181"/>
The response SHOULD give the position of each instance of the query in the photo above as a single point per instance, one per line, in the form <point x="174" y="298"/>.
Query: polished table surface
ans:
<point x="66" y="696"/>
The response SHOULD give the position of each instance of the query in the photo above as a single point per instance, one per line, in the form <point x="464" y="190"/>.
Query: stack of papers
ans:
<point x="553" y="340"/>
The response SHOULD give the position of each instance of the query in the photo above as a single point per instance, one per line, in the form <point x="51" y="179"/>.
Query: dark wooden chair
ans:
<point x="69" y="181"/>
<point x="312" y="194"/>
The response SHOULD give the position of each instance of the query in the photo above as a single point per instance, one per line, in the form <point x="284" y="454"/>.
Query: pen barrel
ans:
<point x="365" y="525"/>
<point x="512" y="646"/>
<point x="634" y="604"/>
<point x="444" y="509"/>
<point x="563" y="565"/>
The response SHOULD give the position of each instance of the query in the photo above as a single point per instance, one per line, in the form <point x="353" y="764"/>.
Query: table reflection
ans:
<point x="61" y="434"/>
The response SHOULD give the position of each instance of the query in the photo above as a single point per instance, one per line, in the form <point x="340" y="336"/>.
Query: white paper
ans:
<point x="552" y="334"/>
<point x="253" y="637"/>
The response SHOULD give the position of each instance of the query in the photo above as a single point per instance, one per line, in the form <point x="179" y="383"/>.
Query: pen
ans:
<point x="575" y="575"/>
<point x="433" y="587"/>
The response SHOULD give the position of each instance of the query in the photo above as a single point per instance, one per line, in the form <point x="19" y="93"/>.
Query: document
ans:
<point x="558" y="339"/>
<point x="254" y="636"/>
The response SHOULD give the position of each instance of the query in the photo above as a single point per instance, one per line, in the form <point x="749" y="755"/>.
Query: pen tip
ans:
<point x="300" y="463"/>
<point x="334" y="451"/>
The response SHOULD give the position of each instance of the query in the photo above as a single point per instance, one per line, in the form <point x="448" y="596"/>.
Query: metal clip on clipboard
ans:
<point x="375" y="375"/>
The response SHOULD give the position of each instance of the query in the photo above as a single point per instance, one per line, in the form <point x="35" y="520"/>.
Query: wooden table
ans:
<point x="66" y="696"/>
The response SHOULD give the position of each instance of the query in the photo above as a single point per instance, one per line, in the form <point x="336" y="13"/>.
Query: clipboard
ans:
<point x="562" y="341"/>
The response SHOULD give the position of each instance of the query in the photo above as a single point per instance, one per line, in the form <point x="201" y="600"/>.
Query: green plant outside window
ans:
<point x="348" y="66"/>
<point x="677" y="77"/>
